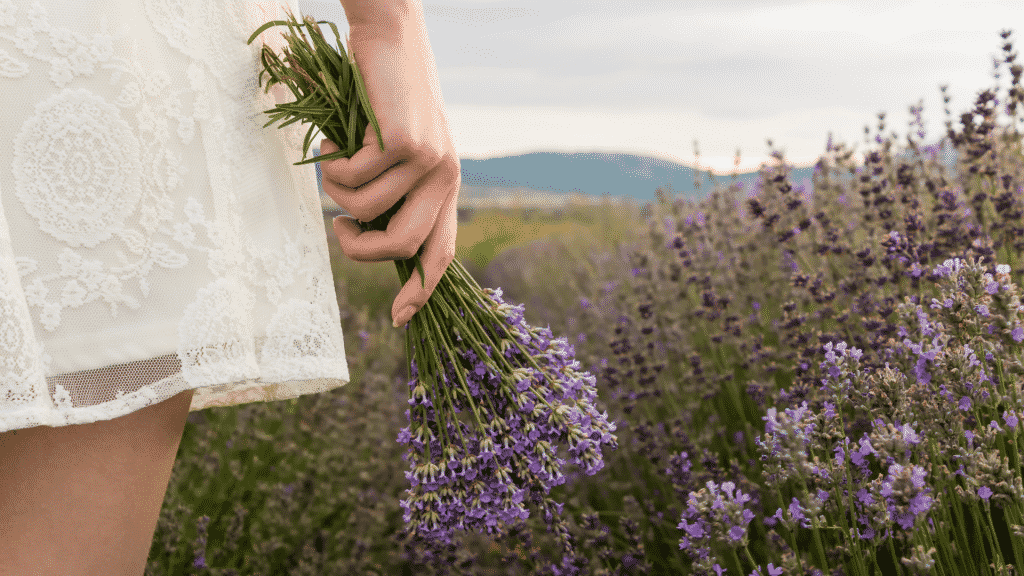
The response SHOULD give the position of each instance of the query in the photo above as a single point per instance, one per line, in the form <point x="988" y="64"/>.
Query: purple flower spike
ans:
<point x="715" y="512"/>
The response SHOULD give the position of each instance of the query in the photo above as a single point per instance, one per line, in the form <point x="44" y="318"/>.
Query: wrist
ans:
<point x="383" y="15"/>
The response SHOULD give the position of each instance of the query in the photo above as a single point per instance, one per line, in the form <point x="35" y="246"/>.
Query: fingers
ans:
<point x="365" y="165"/>
<point x="369" y="183"/>
<point x="438" y="253"/>
<point x="387" y="176"/>
<point x="408" y="229"/>
<point x="375" y="198"/>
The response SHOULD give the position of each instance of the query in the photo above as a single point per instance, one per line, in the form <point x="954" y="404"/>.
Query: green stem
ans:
<point x="923" y="538"/>
<point x="750" y="557"/>
<point x="997" y="551"/>
<point x="874" y="560"/>
<point x="953" y="564"/>
<point x="505" y="390"/>
<point x="736" y="559"/>
<point x="506" y="368"/>
<point x="793" y="544"/>
<point x="840" y="407"/>
<point x="431" y="368"/>
<point x="816" y="532"/>
<point x="1012" y="514"/>
<point x="892" y="550"/>
<point x="456" y="363"/>
<point x="984" y="529"/>
<point x="966" y="550"/>
<point x="448" y="346"/>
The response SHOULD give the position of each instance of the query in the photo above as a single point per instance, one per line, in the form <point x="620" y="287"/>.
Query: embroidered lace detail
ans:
<point x="21" y="356"/>
<point x="154" y="236"/>
<point x="297" y="333"/>
<point x="76" y="168"/>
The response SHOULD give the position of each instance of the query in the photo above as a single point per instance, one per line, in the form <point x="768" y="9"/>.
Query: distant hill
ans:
<point x="599" y="173"/>
<point x="596" y="174"/>
<point x="548" y="176"/>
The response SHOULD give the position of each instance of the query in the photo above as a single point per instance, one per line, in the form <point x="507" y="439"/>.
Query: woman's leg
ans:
<point x="85" y="499"/>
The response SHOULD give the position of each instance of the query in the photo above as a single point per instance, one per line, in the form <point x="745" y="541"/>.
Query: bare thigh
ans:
<point x="85" y="499"/>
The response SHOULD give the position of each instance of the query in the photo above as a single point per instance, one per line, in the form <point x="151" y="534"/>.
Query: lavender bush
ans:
<point x="822" y="381"/>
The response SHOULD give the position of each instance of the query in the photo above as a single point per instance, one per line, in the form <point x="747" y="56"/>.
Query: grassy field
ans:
<point x="821" y="385"/>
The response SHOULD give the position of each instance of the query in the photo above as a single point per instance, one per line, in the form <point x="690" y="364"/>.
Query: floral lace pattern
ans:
<point x="154" y="236"/>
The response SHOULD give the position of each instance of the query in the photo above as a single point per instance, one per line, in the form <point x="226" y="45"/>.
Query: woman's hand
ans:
<point x="419" y="161"/>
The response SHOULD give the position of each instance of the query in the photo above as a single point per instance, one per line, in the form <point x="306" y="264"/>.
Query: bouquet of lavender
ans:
<point x="490" y="396"/>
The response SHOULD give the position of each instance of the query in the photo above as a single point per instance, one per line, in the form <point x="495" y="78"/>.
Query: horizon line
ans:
<point x="718" y="165"/>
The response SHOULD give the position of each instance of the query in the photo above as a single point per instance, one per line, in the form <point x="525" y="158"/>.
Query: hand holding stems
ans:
<point x="419" y="167"/>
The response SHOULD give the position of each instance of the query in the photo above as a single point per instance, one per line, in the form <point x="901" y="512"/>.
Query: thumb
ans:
<point x="409" y="300"/>
<point x="405" y="316"/>
<point x="345" y="226"/>
<point x="345" y="229"/>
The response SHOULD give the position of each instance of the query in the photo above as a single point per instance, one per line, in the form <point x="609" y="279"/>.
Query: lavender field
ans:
<point x="804" y="381"/>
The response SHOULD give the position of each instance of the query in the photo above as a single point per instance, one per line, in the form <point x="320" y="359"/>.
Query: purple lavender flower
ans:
<point x="524" y="395"/>
<point x="796" y="513"/>
<point x="905" y="493"/>
<point x="784" y="445"/>
<point x="1010" y="418"/>
<point x="714" y="513"/>
<point x="772" y="570"/>
<point x="199" y="545"/>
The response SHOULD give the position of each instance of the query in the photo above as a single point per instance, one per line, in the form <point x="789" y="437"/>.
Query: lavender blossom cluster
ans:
<point x="716" y="512"/>
<point x="933" y="423"/>
<point x="485" y="481"/>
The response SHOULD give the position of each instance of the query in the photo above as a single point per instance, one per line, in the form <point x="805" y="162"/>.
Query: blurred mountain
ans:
<point x="596" y="174"/>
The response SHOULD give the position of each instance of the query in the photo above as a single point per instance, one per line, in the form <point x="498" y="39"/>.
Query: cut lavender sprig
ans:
<point x="532" y="398"/>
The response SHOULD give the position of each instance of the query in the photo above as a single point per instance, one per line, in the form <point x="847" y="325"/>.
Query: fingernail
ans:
<point x="407" y="314"/>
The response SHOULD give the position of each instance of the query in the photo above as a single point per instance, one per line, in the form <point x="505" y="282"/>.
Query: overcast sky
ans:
<point x="651" y="76"/>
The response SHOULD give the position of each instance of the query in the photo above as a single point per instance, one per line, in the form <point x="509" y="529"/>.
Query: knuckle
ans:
<point x="458" y="180"/>
<point x="407" y="246"/>
<point x="331" y="174"/>
<point x="451" y="175"/>
<point x="448" y="250"/>
<point x="448" y="162"/>
<point x="409" y="250"/>
<point x="347" y="250"/>
<point x="451" y="162"/>
<point x="361" y="212"/>
<point x="424" y="152"/>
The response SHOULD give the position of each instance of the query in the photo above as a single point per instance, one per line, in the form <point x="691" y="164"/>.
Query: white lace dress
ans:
<point x="154" y="237"/>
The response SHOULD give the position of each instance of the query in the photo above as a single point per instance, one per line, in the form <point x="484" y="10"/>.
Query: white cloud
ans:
<point x="883" y="22"/>
<point x="650" y="76"/>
